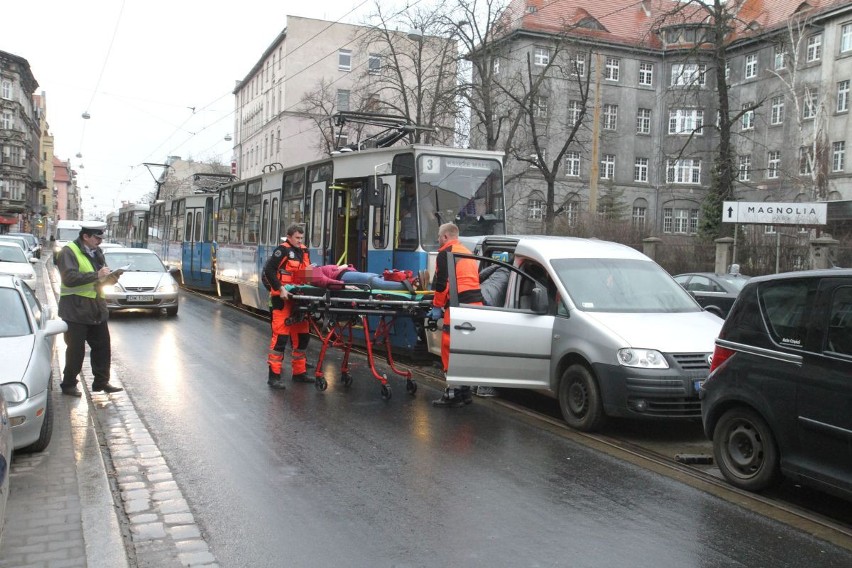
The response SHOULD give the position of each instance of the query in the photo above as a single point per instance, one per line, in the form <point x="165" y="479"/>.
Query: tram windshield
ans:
<point x="461" y="190"/>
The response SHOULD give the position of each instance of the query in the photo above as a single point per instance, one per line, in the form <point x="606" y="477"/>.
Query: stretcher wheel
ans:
<point x="321" y="384"/>
<point x="346" y="378"/>
<point x="410" y="386"/>
<point x="386" y="392"/>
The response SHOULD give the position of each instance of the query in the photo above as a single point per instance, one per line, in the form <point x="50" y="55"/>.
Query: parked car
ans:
<point x="715" y="292"/>
<point x="596" y="324"/>
<point x="14" y="261"/>
<point x="26" y="349"/>
<point x="145" y="284"/>
<point x="32" y="240"/>
<point x="6" y="452"/>
<point x="778" y="398"/>
<point x="21" y="242"/>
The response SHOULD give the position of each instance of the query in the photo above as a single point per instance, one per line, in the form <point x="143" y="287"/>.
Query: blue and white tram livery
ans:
<point x="374" y="209"/>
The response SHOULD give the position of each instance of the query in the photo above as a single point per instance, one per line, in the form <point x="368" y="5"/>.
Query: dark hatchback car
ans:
<point x="779" y="396"/>
<point x="714" y="292"/>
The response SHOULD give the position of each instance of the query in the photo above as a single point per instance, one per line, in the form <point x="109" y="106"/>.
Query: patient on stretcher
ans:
<point x="336" y="277"/>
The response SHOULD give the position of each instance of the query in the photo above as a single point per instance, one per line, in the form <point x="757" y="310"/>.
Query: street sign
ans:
<point x="771" y="213"/>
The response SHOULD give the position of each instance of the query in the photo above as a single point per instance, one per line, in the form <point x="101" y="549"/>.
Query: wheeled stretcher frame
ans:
<point x="333" y="314"/>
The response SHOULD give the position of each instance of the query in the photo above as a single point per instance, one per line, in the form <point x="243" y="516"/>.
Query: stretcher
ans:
<point x="333" y="314"/>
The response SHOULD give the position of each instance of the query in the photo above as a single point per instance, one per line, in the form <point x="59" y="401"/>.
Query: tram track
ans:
<point x="835" y="531"/>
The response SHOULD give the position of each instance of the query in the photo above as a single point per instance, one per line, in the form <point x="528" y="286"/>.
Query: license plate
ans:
<point x="140" y="298"/>
<point x="698" y="383"/>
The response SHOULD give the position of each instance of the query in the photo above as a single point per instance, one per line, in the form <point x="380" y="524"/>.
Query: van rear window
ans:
<point x="785" y="306"/>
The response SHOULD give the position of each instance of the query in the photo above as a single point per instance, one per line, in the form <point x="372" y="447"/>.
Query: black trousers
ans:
<point x="97" y="336"/>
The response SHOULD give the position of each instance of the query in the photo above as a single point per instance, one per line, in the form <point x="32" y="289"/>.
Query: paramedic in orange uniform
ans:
<point x="467" y="285"/>
<point x="287" y="265"/>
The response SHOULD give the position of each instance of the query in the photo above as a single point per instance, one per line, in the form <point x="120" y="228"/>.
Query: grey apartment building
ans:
<point x="649" y="133"/>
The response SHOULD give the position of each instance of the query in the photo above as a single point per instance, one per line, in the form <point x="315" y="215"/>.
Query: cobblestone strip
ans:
<point x="163" y="530"/>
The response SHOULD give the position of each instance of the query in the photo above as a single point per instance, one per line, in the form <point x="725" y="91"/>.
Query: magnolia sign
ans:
<point x="769" y="213"/>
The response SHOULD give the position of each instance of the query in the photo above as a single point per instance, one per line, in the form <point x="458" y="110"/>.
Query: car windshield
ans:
<point x="14" y="322"/>
<point x="139" y="262"/>
<point x="17" y="240"/>
<point x="12" y="254"/>
<point x="621" y="286"/>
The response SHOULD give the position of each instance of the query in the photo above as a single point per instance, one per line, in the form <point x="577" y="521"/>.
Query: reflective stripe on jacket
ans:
<point x="467" y="276"/>
<point x="85" y="265"/>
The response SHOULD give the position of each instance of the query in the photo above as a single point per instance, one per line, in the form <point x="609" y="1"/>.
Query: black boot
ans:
<point x="466" y="395"/>
<point x="274" y="381"/>
<point x="303" y="378"/>
<point x="452" y="399"/>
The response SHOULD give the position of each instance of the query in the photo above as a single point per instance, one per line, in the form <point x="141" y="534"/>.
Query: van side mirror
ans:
<point x="540" y="305"/>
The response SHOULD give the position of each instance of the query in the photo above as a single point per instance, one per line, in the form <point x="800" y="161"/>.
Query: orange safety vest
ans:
<point x="467" y="276"/>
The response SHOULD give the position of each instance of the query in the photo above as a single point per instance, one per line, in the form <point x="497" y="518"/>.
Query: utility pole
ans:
<point x="594" y="172"/>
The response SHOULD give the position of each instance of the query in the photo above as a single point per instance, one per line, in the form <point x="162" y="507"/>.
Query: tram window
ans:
<point x="223" y="227"/>
<point x="237" y="214"/>
<point x="179" y="226"/>
<point x="252" y="217"/>
<point x="264" y="222"/>
<point x="316" y="219"/>
<point x="187" y="230"/>
<point x="273" y="224"/>
<point x="208" y="217"/>
<point x="407" y="236"/>
<point x="198" y="226"/>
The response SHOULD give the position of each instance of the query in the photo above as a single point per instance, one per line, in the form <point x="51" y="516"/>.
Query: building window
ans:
<point x="608" y="166"/>
<point x="745" y="168"/>
<point x="640" y="170"/>
<point x="541" y="56"/>
<point x="777" y="115"/>
<point x="572" y="164"/>
<point x="643" y="121"/>
<point x="611" y="68"/>
<point x="571" y="210"/>
<point x="575" y="109"/>
<point x="610" y="117"/>
<point x="780" y="57"/>
<point x="747" y="118"/>
<point x="843" y="96"/>
<point x="8" y="120"/>
<point x="769" y="229"/>
<point x="646" y="74"/>
<point x="539" y="107"/>
<point x="814" y="48"/>
<point x="344" y="59"/>
<point x="373" y="103"/>
<point x="751" y="66"/>
<point x="685" y="170"/>
<point x="495" y="66"/>
<point x="686" y="121"/>
<point x="579" y="64"/>
<point x="6" y="89"/>
<point x="846" y="38"/>
<point x="680" y="221"/>
<point x="838" y="156"/>
<point x="374" y="64"/>
<point x="342" y="100"/>
<point x="638" y="217"/>
<point x="535" y="210"/>
<point x="727" y="70"/>
<point x="809" y="103"/>
<point x="773" y="164"/>
<point x="686" y="74"/>
<point x="806" y="155"/>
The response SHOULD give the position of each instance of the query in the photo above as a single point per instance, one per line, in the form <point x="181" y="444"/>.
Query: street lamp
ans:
<point x="86" y="116"/>
<point x="228" y="138"/>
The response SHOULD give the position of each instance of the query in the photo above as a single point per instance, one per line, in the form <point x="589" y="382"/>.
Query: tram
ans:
<point x="375" y="209"/>
<point x="128" y="226"/>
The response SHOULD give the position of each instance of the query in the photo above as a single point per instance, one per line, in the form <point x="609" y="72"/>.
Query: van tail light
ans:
<point x="720" y="355"/>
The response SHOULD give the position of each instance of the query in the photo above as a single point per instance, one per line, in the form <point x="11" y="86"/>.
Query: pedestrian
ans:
<point x="83" y="272"/>
<point x="288" y="264"/>
<point x="467" y="286"/>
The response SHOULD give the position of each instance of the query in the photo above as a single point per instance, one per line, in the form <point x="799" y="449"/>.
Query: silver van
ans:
<point x="598" y="325"/>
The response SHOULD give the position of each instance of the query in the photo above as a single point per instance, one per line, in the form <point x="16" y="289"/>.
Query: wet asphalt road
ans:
<point x="342" y="477"/>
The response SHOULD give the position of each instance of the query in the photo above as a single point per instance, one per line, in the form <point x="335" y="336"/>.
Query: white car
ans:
<point x="145" y="283"/>
<point x="14" y="261"/>
<point x="26" y="349"/>
<point x="20" y="241"/>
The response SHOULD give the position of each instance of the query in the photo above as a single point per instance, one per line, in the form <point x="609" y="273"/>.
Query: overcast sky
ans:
<point x="156" y="76"/>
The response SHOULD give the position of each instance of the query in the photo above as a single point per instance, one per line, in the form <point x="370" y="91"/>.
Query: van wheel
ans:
<point x="745" y="450"/>
<point x="580" y="399"/>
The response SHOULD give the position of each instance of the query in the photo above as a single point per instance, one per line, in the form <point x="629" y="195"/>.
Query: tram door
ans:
<point x="196" y="262"/>
<point x="382" y="223"/>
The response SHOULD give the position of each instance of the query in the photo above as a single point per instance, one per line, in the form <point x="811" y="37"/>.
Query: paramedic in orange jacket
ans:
<point x="287" y="265"/>
<point x="467" y="285"/>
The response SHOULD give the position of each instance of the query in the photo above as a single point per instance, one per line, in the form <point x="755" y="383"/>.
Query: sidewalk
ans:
<point x="61" y="511"/>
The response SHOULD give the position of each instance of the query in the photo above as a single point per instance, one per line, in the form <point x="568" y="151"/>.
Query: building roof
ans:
<point x="60" y="171"/>
<point x="632" y="22"/>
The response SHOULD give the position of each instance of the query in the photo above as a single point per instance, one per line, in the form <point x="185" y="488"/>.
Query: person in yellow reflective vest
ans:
<point x="83" y="271"/>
